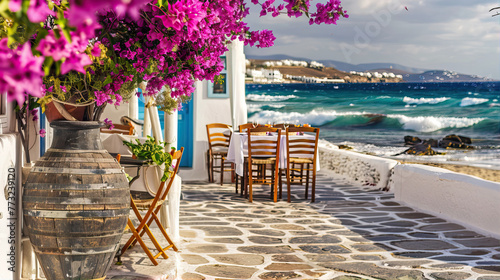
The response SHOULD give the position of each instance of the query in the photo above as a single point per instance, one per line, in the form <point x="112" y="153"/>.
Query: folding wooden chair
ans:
<point x="219" y="135"/>
<point x="127" y="129"/>
<point x="263" y="153"/>
<point x="152" y="206"/>
<point x="302" y="150"/>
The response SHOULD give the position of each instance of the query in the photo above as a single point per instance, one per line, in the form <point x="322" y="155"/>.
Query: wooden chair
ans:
<point x="127" y="129"/>
<point x="302" y="153"/>
<point x="264" y="155"/>
<point x="244" y="127"/>
<point x="219" y="135"/>
<point x="152" y="205"/>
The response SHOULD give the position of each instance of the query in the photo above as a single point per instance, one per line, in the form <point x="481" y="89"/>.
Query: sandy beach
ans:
<point x="484" y="173"/>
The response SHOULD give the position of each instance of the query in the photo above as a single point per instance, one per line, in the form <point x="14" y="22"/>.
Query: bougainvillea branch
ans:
<point x="100" y="50"/>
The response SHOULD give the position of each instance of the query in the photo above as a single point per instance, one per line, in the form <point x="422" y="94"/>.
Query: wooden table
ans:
<point x="238" y="150"/>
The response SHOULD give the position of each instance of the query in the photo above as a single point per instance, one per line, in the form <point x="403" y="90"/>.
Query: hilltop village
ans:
<point x="294" y="71"/>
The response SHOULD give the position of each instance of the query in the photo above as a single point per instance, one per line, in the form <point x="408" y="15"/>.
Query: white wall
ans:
<point x="206" y="110"/>
<point x="457" y="197"/>
<point x="356" y="168"/>
<point x="9" y="257"/>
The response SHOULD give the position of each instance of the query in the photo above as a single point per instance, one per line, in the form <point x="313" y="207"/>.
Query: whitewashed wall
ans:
<point x="356" y="168"/>
<point x="9" y="256"/>
<point x="464" y="199"/>
<point x="457" y="197"/>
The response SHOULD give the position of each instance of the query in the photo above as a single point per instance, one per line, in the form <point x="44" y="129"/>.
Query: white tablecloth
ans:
<point x="238" y="150"/>
<point x="169" y="212"/>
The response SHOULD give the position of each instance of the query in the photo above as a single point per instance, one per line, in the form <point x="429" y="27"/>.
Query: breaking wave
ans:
<point x="423" y="100"/>
<point x="470" y="101"/>
<point x="269" y="98"/>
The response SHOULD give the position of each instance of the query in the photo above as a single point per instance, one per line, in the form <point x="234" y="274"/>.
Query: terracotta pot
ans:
<point x="55" y="111"/>
<point x="76" y="204"/>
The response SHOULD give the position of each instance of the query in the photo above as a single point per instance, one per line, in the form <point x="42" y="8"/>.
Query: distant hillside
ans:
<point x="443" y="76"/>
<point x="410" y="74"/>
<point x="344" y="66"/>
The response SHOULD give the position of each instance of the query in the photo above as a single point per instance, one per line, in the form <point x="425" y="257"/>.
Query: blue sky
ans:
<point x="457" y="35"/>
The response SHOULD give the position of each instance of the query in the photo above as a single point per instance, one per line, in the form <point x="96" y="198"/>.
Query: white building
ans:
<point x="225" y="104"/>
<point x="316" y="65"/>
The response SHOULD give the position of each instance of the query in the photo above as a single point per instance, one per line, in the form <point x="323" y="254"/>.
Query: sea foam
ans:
<point x="269" y="98"/>
<point x="469" y="101"/>
<point x="423" y="100"/>
<point x="315" y="118"/>
<point x="430" y="124"/>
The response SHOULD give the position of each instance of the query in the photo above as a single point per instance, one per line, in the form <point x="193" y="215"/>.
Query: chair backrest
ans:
<point x="244" y="127"/>
<point x="262" y="145"/>
<point x="218" y="135"/>
<point x="302" y="142"/>
<point x="176" y="162"/>
<point x="127" y="129"/>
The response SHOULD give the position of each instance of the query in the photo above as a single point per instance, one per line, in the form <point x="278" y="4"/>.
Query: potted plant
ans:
<point x="154" y="153"/>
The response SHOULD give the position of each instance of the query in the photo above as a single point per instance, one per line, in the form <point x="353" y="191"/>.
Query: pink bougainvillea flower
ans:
<point x="42" y="132"/>
<point x="76" y="62"/>
<point x="38" y="11"/>
<point x="96" y="51"/>
<point x="15" y="5"/>
<point x="109" y="123"/>
<point x="20" y="72"/>
<point x="56" y="48"/>
<point x="130" y="7"/>
<point x="34" y="113"/>
<point x="184" y="13"/>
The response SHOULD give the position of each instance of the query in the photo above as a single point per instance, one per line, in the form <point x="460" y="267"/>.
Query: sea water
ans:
<point x="374" y="117"/>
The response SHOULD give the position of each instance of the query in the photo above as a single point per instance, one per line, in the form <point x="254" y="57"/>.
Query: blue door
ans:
<point x="185" y="134"/>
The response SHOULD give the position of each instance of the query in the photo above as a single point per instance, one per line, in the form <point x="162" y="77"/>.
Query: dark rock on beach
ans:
<point x="411" y="140"/>
<point x="448" y="142"/>
<point x="456" y="142"/>
<point x="423" y="149"/>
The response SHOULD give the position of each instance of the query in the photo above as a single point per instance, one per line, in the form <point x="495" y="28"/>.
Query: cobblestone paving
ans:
<point x="349" y="233"/>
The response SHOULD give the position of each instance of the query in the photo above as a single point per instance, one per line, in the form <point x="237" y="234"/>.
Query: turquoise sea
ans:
<point x="374" y="118"/>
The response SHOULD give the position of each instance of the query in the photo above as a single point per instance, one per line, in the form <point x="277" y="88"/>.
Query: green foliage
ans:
<point x="153" y="152"/>
<point x="167" y="103"/>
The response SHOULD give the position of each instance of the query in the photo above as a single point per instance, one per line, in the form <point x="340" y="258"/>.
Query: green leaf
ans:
<point x="47" y="64"/>
<point x="108" y="80"/>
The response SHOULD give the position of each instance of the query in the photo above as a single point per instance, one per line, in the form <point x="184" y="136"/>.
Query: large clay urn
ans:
<point x="76" y="204"/>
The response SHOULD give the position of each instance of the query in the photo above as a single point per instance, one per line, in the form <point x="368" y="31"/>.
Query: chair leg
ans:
<point x="244" y="183"/>
<point x="280" y="183"/>
<point x="288" y="183"/>
<point x="221" y="170"/>
<point x="233" y="172"/>
<point x="236" y="187"/>
<point x="313" y="188"/>
<point x="207" y="158"/>
<point x="143" y="245"/>
<point x="164" y="232"/>
<point x="250" y="186"/>
<point x="307" y="180"/>
<point x="275" y="182"/>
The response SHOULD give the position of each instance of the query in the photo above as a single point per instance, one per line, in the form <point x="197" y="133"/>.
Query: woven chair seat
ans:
<point x="301" y="160"/>
<point x="219" y="151"/>
<point x="144" y="204"/>
<point x="264" y="161"/>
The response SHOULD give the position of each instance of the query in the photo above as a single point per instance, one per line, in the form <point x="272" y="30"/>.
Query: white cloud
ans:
<point x="458" y="35"/>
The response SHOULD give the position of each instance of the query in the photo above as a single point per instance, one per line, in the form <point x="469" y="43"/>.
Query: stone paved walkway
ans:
<point x="349" y="233"/>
